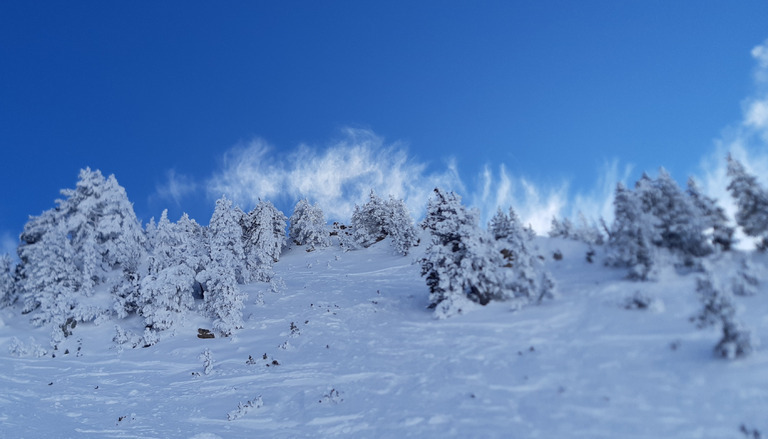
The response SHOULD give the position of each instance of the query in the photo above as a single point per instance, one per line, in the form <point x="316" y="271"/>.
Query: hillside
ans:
<point x="348" y="349"/>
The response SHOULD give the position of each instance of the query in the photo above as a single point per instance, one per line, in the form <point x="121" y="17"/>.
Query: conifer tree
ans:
<point x="715" y="221"/>
<point x="369" y="221"/>
<point x="264" y="239"/>
<point x="7" y="282"/>
<point x="400" y="226"/>
<point x="223" y="300"/>
<point x="632" y="235"/>
<point x="308" y="226"/>
<point x="718" y="309"/>
<point x="526" y="279"/>
<point x="166" y="290"/>
<point x="460" y="262"/>
<point x="751" y="200"/>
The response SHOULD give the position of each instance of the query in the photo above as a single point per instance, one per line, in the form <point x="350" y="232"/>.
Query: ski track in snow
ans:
<point x="368" y="360"/>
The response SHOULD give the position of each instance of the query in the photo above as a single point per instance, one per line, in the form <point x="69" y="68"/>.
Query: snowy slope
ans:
<point x="351" y="351"/>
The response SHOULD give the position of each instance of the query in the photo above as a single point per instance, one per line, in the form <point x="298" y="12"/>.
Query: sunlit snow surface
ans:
<point x="366" y="359"/>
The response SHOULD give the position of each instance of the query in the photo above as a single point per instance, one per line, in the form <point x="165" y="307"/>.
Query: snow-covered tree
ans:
<point x="632" y="236"/>
<point x="460" y="263"/>
<point x="751" y="200"/>
<point x="264" y="239"/>
<point x="526" y="278"/>
<point x="713" y="217"/>
<point x="50" y="279"/>
<point x="7" y="281"/>
<point x="400" y="226"/>
<point x="718" y="309"/>
<point x="308" y="226"/>
<point x="369" y="221"/>
<point x="166" y="290"/>
<point x="223" y="300"/>
<point x="561" y="229"/>
<point x="378" y="219"/>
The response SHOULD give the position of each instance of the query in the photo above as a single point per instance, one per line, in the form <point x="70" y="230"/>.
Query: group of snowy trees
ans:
<point x="465" y="263"/>
<point x="89" y="259"/>
<point x="659" y="214"/>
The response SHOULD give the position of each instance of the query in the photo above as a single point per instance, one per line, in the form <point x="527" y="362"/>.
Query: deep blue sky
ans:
<point x="551" y="89"/>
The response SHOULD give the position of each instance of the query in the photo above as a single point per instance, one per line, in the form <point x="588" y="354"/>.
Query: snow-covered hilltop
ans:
<point x="242" y="328"/>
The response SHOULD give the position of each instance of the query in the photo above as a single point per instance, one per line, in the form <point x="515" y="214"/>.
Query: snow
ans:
<point x="352" y="351"/>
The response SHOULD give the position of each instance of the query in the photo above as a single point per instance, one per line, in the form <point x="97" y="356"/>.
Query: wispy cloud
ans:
<point x="342" y="174"/>
<point x="175" y="187"/>
<point x="337" y="176"/>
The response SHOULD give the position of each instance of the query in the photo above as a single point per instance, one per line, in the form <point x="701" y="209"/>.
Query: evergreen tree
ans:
<point x="400" y="227"/>
<point x="526" y="280"/>
<point x="223" y="300"/>
<point x="369" y="221"/>
<point x="166" y="291"/>
<point x="681" y="225"/>
<point x="632" y="236"/>
<point x="264" y="239"/>
<point x="51" y="280"/>
<point x="308" y="226"/>
<point x="7" y="282"/>
<point x="718" y="308"/>
<point x="459" y="263"/>
<point x="561" y="229"/>
<point x="751" y="200"/>
<point x="715" y="221"/>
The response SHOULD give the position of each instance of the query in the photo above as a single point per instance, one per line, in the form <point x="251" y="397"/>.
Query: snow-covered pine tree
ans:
<point x="460" y="263"/>
<point x="223" y="300"/>
<point x="264" y="239"/>
<point x="632" y="235"/>
<point x="166" y="290"/>
<point x="369" y="221"/>
<point x="106" y="235"/>
<point x="751" y="201"/>
<point x="7" y="281"/>
<point x="308" y="226"/>
<point x="718" y="308"/>
<point x="193" y="243"/>
<point x="561" y="229"/>
<point x="50" y="280"/>
<point x="526" y="278"/>
<point x="400" y="226"/>
<point x="681" y="225"/>
<point x="588" y="232"/>
<point x="715" y="221"/>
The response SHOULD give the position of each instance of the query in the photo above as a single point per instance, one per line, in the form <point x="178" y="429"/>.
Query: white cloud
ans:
<point x="342" y="174"/>
<point x="175" y="188"/>
<point x="337" y="177"/>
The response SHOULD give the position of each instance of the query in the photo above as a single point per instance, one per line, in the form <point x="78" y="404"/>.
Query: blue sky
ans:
<point x="542" y="105"/>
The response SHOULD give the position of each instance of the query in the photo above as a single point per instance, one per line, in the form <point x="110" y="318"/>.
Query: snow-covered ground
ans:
<point x="348" y="349"/>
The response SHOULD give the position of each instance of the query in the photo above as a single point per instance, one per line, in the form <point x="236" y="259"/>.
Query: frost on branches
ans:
<point x="166" y="290"/>
<point x="7" y="282"/>
<point x="751" y="201"/>
<point x="377" y="219"/>
<point x="718" y="309"/>
<point x="223" y="300"/>
<point x="460" y="264"/>
<point x="308" y="226"/>
<point x="526" y="278"/>
<point x="90" y="239"/>
<point x="264" y="239"/>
